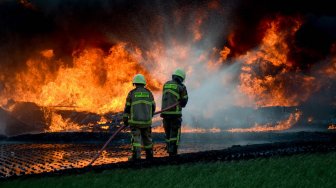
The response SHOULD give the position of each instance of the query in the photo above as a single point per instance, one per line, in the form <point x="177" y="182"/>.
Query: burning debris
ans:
<point x="66" y="66"/>
<point x="27" y="117"/>
<point x="332" y="127"/>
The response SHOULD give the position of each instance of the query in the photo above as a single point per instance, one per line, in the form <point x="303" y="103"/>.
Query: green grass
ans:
<point x="315" y="170"/>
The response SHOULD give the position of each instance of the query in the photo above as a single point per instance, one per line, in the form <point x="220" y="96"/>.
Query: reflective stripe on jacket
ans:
<point x="173" y="92"/>
<point x="140" y="106"/>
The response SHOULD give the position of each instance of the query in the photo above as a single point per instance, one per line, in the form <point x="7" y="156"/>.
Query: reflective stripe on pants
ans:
<point x="141" y="135"/>
<point x="172" y="127"/>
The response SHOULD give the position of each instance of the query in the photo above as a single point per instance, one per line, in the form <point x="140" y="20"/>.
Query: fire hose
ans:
<point x="120" y="129"/>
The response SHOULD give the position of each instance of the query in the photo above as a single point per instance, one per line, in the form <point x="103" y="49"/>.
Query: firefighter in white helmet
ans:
<point x="174" y="91"/>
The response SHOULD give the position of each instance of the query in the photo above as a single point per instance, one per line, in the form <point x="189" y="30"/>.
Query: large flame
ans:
<point x="96" y="82"/>
<point x="58" y="123"/>
<point x="267" y="73"/>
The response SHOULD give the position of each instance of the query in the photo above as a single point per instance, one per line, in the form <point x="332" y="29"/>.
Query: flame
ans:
<point x="102" y="120"/>
<point x="96" y="82"/>
<point x="280" y="126"/>
<point x="266" y="69"/>
<point x="310" y="119"/>
<point x="106" y="127"/>
<point x="189" y="129"/>
<point x="49" y="53"/>
<point x="59" y="124"/>
<point x="224" y="53"/>
<point x="332" y="127"/>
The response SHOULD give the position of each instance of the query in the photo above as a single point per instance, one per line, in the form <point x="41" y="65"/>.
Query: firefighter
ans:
<point x="174" y="91"/>
<point x="138" y="113"/>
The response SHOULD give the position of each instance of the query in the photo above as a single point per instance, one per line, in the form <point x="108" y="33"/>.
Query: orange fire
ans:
<point x="47" y="53"/>
<point x="310" y="119"/>
<point x="257" y="81"/>
<point x="99" y="81"/>
<point x="224" y="53"/>
<point x="58" y="124"/>
<point x="96" y="82"/>
<point x="102" y="120"/>
<point x="280" y="126"/>
<point x="332" y="127"/>
<point x="189" y="129"/>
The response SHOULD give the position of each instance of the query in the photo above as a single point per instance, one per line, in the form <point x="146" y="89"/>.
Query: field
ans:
<point x="311" y="170"/>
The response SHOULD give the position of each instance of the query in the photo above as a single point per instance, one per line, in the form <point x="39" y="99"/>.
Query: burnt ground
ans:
<point x="68" y="153"/>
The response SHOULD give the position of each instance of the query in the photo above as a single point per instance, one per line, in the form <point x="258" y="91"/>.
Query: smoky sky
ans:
<point x="65" y="26"/>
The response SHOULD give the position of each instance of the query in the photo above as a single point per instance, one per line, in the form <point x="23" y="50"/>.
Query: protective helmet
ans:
<point x="139" y="79"/>
<point x="180" y="72"/>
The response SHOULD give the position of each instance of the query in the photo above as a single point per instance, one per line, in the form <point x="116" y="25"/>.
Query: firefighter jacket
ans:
<point x="140" y="107"/>
<point x="174" y="91"/>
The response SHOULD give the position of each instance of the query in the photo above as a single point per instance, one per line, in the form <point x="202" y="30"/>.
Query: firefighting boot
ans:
<point x="171" y="150"/>
<point x="149" y="154"/>
<point x="167" y="146"/>
<point x="175" y="149"/>
<point x="136" y="155"/>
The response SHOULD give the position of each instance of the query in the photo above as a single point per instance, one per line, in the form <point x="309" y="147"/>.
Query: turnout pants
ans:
<point x="172" y="127"/>
<point x="141" y="136"/>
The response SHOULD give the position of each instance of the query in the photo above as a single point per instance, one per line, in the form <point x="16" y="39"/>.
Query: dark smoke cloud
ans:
<point x="21" y="30"/>
<point x="314" y="40"/>
<point x="70" y="26"/>
<point x="66" y="26"/>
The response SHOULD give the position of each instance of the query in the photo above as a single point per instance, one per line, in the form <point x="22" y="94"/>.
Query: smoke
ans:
<point x="217" y="95"/>
<point x="305" y="81"/>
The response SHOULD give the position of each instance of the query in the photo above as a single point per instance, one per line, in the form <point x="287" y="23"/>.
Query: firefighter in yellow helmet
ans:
<point x="138" y="113"/>
<point x="174" y="91"/>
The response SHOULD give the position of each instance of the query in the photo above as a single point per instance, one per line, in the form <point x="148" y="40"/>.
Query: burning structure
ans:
<point x="266" y="66"/>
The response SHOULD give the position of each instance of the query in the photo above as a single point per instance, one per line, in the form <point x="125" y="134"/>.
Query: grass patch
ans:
<point x="315" y="170"/>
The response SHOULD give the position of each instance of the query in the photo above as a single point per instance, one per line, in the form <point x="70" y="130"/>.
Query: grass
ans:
<point x="315" y="170"/>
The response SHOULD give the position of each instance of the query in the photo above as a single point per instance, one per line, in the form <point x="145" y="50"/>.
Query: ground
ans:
<point x="310" y="170"/>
